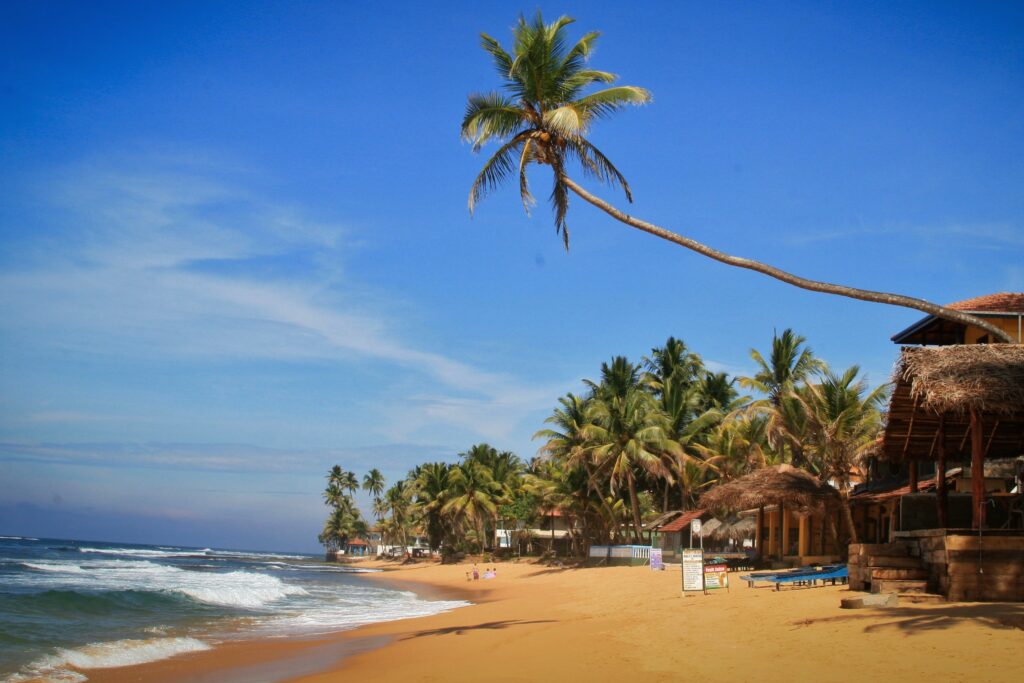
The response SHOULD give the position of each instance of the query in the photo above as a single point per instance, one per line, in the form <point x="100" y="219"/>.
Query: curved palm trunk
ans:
<point x="634" y="503"/>
<point x="789" y="278"/>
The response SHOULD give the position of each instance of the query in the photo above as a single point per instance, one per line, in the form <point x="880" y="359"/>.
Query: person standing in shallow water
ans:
<point x="476" y="573"/>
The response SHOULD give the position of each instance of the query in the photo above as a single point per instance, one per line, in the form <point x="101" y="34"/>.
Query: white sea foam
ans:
<point x="108" y="655"/>
<point x="225" y="589"/>
<point x="63" y="567"/>
<point x="142" y="552"/>
<point x="17" y="538"/>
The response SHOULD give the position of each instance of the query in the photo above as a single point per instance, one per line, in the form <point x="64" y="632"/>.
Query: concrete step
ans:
<point x="899" y="574"/>
<point x="895" y="562"/>
<point x="900" y="587"/>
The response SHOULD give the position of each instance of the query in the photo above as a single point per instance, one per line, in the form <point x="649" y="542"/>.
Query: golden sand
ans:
<point x="535" y="623"/>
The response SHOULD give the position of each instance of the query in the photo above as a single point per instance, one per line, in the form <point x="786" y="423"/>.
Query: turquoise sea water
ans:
<point x="70" y="606"/>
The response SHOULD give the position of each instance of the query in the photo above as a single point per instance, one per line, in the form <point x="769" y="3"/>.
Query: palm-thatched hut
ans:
<point x="795" y="512"/>
<point x="961" y="403"/>
<point x="955" y="402"/>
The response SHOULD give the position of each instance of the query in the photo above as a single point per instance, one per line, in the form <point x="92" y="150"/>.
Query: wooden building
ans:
<point x="1005" y="310"/>
<point x="958" y="403"/>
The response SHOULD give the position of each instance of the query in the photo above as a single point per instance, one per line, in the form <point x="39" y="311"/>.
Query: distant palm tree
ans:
<point x="472" y="496"/>
<point x="373" y="482"/>
<point x="844" y="418"/>
<point x="791" y="362"/>
<point x="629" y="433"/>
<point x="432" y="488"/>
<point x="544" y="117"/>
<point x="789" y="365"/>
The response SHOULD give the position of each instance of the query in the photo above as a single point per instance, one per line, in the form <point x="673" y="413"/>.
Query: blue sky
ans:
<point x="235" y="249"/>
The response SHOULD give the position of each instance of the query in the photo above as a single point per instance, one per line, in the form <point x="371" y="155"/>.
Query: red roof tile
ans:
<point x="1001" y="302"/>
<point x="681" y="522"/>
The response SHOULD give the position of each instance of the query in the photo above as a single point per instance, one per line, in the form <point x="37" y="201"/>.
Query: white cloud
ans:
<point x="159" y="262"/>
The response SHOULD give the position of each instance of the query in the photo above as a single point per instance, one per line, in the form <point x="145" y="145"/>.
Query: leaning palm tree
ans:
<point x="544" y="117"/>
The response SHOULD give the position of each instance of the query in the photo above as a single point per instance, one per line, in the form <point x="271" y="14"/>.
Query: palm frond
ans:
<point x="524" y="188"/>
<point x="605" y="102"/>
<point x="597" y="165"/>
<point x="499" y="167"/>
<point x="490" y="115"/>
<point x="560" y="201"/>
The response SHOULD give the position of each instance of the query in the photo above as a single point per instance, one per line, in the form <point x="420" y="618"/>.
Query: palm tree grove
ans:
<point x="644" y="437"/>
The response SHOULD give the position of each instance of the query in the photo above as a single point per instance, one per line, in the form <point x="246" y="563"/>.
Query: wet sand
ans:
<point x="536" y="623"/>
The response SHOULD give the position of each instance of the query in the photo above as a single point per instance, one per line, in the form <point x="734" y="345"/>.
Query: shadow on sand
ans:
<point x="932" y="618"/>
<point x="490" y="625"/>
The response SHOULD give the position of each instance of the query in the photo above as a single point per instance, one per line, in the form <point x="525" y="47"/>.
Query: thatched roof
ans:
<point x="782" y="484"/>
<point x="734" y="528"/>
<point x="987" y="377"/>
<point x="951" y="381"/>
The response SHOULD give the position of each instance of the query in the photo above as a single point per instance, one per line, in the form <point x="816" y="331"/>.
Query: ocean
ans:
<point x="70" y="606"/>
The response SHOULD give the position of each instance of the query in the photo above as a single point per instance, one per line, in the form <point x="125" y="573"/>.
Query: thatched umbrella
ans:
<point x="731" y="529"/>
<point x="782" y="485"/>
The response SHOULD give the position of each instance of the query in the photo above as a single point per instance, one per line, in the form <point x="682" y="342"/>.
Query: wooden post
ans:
<point x="772" y="534"/>
<point x="940" y="473"/>
<point x="759" y="534"/>
<point x="782" y="535"/>
<point x="784" y="548"/>
<point x="913" y="476"/>
<point x="977" y="469"/>
<point x="805" y="537"/>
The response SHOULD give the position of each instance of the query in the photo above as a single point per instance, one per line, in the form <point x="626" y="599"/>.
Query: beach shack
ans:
<point x="671" y="533"/>
<point x="797" y="518"/>
<point x="954" y="405"/>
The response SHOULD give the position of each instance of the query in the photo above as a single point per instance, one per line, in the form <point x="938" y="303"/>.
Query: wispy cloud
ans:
<point x="217" y="457"/>
<point x="975" y="236"/>
<point x="159" y="259"/>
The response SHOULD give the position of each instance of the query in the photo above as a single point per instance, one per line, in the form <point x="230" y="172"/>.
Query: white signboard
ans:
<point x="693" y="569"/>
<point x="695" y="526"/>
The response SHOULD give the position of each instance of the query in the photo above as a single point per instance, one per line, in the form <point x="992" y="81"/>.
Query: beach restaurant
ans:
<point x="959" y="403"/>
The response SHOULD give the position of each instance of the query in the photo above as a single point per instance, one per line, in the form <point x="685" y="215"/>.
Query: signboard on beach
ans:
<point x="693" y="569"/>
<point x="656" y="563"/>
<point x="716" y="576"/>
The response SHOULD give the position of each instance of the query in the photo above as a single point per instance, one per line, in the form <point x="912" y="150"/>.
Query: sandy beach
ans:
<point x="536" y="623"/>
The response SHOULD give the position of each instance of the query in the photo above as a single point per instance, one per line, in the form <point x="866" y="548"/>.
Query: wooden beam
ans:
<point x="913" y="476"/>
<point x="940" y="472"/>
<point x="991" y="436"/>
<point x="977" y="469"/>
<point x="910" y="429"/>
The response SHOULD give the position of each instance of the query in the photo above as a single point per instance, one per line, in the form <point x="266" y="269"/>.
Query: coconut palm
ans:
<point x="629" y="433"/>
<point x="544" y="116"/>
<point x="566" y="443"/>
<point x="373" y="482"/>
<point x="843" y="420"/>
<point x="472" y="496"/>
<point x="791" y="361"/>
<point x="432" y="485"/>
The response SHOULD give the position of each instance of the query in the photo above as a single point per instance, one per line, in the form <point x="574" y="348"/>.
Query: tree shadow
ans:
<point x="933" y="618"/>
<point x="490" y="625"/>
<point x="549" y="570"/>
